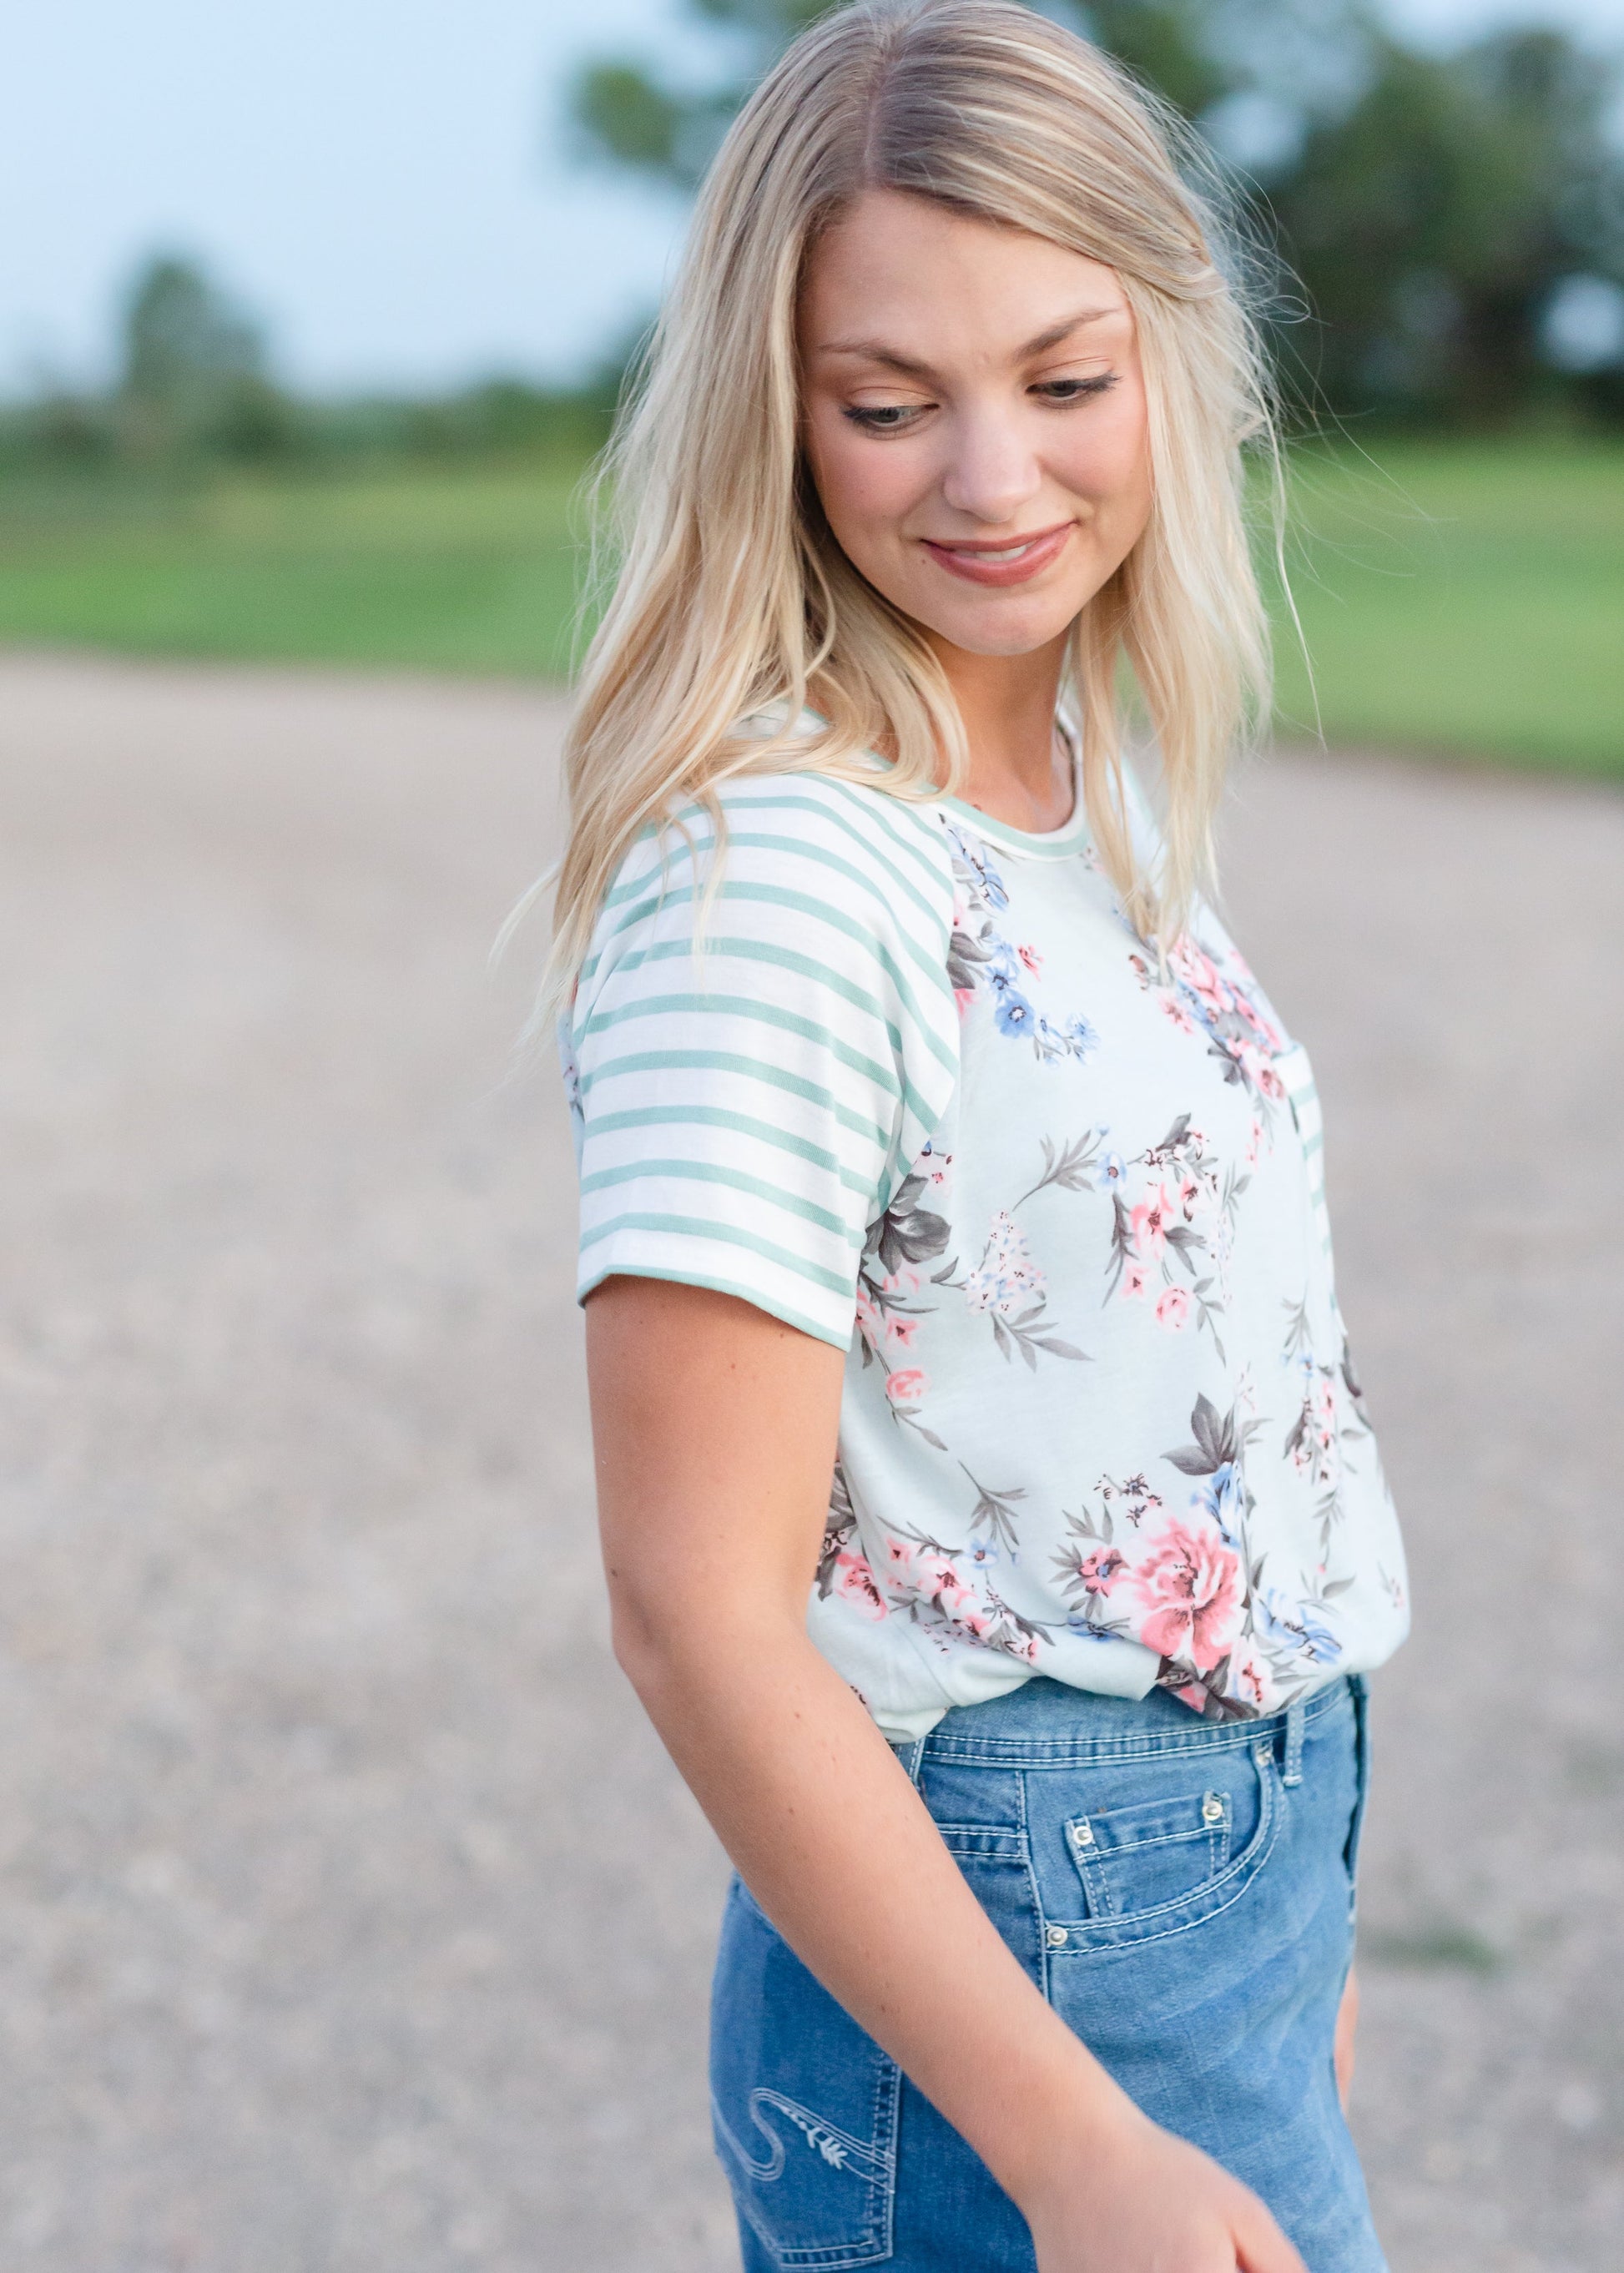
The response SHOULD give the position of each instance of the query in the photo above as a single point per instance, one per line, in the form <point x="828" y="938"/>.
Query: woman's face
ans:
<point x="974" y="417"/>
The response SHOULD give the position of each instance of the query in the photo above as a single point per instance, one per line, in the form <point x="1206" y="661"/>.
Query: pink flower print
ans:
<point x="1325" y="1415"/>
<point x="1252" y="1685"/>
<point x="899" y="1332"/>
<point x="1149" y="1222"/>
<point x="1099" y="1570"/>
<point x="1189" y="1193"/>
<point x="1253" y="1142"/>
<point x="1244" y="986"/>
<point x="941" y="1580"/>
<point x="1032" y="960"/>
<point x="942" y="1586"/>
<point x="1269" y="1082"/>
<point x="1176" y="1010"/>
<point x="905" y="1388"/>
<point x="856" y="1584"/>
<point x="1201" y="975"/>
<point x="1190" y="1585"/>
<point x="1135" y="1279"/>
<point x="1173" y="1307"/>
<point x="1249" y="1011"/>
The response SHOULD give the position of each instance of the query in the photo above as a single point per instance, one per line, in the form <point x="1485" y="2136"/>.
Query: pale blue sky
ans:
<point x="380" y="180"/>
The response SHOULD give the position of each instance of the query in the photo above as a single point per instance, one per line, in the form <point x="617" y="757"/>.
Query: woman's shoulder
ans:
<point x="799" y="836"/>
<point x="851" y="834"/>
<point x="840" y="888"/>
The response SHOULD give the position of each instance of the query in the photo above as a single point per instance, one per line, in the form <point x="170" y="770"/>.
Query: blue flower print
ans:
<point x="982" y="960"/>
<point x="1012" y="1011"/>
<point x="986" y="875"/>
<point x="1222" y="1496"/>
<point x="1113" y="1169"/>
<point x="1295" y="1627"/>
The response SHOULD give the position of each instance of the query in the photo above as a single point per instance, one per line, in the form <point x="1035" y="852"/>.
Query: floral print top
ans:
<point x="924" y="1093"/>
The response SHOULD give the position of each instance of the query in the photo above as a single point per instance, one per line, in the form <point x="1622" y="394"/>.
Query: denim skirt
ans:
<point x="1181" y="1890"/>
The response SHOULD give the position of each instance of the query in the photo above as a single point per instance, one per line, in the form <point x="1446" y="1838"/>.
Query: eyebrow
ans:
<point x="877" y="351"/>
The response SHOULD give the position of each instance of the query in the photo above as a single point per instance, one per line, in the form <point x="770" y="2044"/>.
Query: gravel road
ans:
<point x="351" y="1919"/>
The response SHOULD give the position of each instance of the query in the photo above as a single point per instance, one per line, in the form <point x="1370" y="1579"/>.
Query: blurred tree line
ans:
<point x="1446" y="230"/>
<point x="195" y="387"/>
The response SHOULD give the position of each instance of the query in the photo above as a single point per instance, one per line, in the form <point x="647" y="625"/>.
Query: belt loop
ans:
<point x="1294" y="1742"/>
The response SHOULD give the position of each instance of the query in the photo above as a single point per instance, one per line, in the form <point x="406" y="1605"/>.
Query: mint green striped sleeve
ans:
<point x="743" y="1111"/>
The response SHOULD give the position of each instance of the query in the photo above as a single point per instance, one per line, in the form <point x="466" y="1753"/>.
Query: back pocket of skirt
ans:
<point x="803" y="2103"/>
<point x="1134" y="1859"/>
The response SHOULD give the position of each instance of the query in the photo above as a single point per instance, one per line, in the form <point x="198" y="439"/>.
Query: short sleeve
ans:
<point x="745" y="1109"/>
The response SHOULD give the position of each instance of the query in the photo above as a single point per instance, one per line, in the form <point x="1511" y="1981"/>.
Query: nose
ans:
<point x="992" y="470"/>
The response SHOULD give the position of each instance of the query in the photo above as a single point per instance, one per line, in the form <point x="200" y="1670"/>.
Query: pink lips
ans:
<point x="1014" y="560"/>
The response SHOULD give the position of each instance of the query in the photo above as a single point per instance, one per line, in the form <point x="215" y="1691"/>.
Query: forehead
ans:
<point x="930" y="281"/>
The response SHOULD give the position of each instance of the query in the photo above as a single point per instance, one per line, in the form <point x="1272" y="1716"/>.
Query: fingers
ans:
<point x="1259" y="2245"/>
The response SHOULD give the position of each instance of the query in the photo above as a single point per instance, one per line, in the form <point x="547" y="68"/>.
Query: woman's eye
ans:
<point x="884" y="417"/>
<point x="1074" y="390"/>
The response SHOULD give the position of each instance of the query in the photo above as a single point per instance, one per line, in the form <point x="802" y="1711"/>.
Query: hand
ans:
<point x="1143" y="2202"/>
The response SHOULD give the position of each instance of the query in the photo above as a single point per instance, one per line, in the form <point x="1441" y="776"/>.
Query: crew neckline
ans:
<point x="1044" y="843"/>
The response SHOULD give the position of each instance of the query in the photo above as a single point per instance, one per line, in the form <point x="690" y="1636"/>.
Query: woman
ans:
<point x="994" y="1532"/>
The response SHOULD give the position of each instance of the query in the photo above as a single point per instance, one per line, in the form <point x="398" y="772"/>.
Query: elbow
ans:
<point x="642" y="1641"/>
<point x="659" y="1642"/>
<point x="671" y="1649"/>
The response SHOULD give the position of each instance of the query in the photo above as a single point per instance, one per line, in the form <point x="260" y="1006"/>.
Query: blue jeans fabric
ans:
<point x="1183" y="1893"/>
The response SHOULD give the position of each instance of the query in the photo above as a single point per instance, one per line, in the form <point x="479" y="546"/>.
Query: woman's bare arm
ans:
<point x="715" y="1430"/>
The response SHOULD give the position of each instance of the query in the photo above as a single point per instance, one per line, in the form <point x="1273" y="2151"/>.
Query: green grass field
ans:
<point x="460" y="571"/>
<point x="1462" y="596"/>
<point x="1455" y="597"/>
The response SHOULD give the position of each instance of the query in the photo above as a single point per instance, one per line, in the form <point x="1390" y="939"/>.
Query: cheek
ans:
<point x="1109" y="460"/>
<point x="867" y="488"/>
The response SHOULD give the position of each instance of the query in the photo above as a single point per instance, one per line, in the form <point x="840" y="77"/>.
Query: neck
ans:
<point x="1007" y="703"/>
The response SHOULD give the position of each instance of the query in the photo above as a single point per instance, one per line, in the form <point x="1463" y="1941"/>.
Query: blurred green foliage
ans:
<point x="1456" y="595"/>
<point x="1437" y="210"/>
<point x="194" y="389"/>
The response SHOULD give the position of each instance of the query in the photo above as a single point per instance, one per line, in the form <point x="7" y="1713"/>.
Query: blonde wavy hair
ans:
<point x="733" y="598"/>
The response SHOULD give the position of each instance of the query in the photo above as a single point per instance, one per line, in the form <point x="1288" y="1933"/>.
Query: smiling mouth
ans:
<point x="979" y="562"/>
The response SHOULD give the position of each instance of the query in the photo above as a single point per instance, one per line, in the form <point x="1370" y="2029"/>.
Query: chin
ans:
<point x="1002" y="631"/>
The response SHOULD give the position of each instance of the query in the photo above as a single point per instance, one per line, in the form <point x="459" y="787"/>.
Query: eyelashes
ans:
<point x="899" y="417"/>
<point x="889" y="418"/>
<point x="1076" y="390"/>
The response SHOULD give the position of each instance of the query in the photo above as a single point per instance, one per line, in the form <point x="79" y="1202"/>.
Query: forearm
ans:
<point x="836" y="1845"/>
